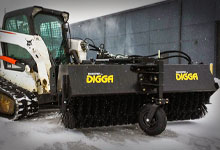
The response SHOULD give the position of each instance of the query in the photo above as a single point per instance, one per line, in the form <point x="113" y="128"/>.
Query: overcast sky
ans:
<point x="79" y="9"/>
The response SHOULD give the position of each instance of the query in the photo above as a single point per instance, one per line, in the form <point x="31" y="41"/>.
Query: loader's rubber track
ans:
<point x="26" y="103"/>
<point x="83" y="112"/>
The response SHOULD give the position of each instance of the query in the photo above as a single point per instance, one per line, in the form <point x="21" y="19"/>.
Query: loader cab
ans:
<point x="47" y="23"/>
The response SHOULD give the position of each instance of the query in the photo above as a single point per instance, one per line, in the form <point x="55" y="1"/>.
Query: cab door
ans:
<point x="13" y="73"/>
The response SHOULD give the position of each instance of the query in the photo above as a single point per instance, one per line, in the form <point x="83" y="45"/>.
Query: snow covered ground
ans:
<point x="47" y="133"/>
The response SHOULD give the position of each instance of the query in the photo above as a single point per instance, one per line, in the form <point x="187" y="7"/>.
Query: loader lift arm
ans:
<point x="35" y="47"/>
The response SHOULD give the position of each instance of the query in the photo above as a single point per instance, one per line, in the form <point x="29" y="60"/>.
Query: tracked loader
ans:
<point x="40" y="65"/>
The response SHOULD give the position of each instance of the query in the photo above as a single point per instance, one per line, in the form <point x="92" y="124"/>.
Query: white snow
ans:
<point x="45" y="132"/>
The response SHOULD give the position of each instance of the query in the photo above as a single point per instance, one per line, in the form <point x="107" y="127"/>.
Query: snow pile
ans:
<point x="217" y="81"/>
<point x="32" y="134"/>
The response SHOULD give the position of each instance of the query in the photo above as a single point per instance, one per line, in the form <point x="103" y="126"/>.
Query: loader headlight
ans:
<point x="65" y="16"/>
<point x="36" y="10"/>
<point x="84" y="46"/>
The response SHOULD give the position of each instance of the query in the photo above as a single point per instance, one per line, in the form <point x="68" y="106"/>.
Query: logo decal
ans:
<point x="99" y="78"/>
<point x="183" y="75"/>
<point x="29" y="42"/>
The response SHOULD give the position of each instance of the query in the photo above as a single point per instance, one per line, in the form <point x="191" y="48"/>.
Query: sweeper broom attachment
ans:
<point x="134" y="89"/>
<point x="39" y="69"/>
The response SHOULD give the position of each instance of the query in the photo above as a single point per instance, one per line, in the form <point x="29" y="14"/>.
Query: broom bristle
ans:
<point x="97" y="111"/>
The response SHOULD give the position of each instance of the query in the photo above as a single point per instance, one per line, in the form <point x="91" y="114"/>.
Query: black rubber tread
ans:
<point x="26" y="103"/>
<point x="110" y="110"/>
<point x="160" y="123"/>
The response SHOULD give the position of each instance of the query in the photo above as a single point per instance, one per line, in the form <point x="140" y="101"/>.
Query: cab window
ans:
<point x="17" y="24"/>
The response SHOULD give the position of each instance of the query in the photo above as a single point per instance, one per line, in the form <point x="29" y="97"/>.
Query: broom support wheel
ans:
<point x="152" y="119"/>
